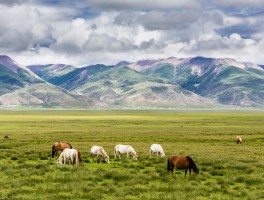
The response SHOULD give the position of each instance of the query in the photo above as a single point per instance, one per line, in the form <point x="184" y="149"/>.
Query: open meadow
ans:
<point x="227" y="170"/>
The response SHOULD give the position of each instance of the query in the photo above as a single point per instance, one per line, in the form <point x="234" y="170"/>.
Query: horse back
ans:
<point x="180" y="162"/>
<point x="122" y="148"/>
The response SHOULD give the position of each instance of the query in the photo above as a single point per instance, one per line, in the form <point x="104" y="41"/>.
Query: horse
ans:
<point x="6" y="137"/>
<point x="157" y="148"/>
<point x="119" y="149"/>
<point x="182" y="162"/>
<point x="68" y="154"/>
<point x="99" y="151"/>
<point x="238" y="140"/>
<point x="59" y="146"/>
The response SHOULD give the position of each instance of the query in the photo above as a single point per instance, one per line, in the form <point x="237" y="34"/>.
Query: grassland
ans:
<point x="227" y="170"/>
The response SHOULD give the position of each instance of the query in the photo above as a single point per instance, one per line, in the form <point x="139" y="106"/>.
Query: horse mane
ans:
<point x="193" y="165"/>
<point x="102" y="151"/>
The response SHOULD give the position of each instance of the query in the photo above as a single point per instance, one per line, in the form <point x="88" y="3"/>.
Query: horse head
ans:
<point x="107" y="159"/>
<point x="135" y="156"/>
<point x="162" y="154"/>
<point x="59" y="162"/>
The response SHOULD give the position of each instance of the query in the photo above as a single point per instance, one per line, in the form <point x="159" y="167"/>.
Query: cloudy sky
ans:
<point x="82" y="32"/>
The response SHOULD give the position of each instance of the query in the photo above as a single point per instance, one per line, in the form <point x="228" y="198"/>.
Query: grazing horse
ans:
<point x="157" y="149"/>
<point x="182" y="162"/>
<point x="6" y="137"/>
<point x="59" y="146"/>
<point x="68" y="154"/>
<point x="119" y="149"/>
<point x="99" y="151"/>
<point x="238" y="140"/>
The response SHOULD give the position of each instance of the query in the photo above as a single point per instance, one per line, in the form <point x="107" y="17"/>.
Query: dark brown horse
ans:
<point x="182" y="162"/>
<point x="59" y="146"/>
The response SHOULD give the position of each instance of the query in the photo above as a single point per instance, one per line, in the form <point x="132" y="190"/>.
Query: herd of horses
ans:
<point x="73" y="156"/>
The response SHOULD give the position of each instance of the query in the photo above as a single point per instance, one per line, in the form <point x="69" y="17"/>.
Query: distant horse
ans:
<point x="6" y="137"/>
<point x="59" y="146"/>
<point x="182" y="162"/>
<point x="99" y="151"/>
<point x="238" y="140"/>
<point x="120" y="149"/>
<point x="156" y="149"/>
<point x="68" y="154"/>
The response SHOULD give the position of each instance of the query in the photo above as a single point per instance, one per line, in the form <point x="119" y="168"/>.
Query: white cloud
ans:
<point x="114" y="30"/>
<point x="143" y="5"/>
<point x="241" y="3"/>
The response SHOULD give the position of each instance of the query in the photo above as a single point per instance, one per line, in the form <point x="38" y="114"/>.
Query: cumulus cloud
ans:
<point x="143" y="5"/>
<point x="10" y="2"/>
<point x="240" y="3"/>
<point x="107" y="31"/>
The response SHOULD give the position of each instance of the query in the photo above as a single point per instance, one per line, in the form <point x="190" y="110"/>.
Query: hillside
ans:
<point x="223" y="80"/>
<point x="21" y="87"/>
<point x="170" y="83"/>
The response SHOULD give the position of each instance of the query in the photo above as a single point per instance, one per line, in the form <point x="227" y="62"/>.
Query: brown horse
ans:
<point x="238" y="140"/>
<point x="182" y="162"/>
<point x="59" y="146"/>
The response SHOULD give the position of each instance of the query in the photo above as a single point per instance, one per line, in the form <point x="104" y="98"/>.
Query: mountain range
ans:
<point x="171" y="83"/>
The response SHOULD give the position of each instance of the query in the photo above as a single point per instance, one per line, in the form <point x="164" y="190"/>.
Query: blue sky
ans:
<point x="83" y="32"/>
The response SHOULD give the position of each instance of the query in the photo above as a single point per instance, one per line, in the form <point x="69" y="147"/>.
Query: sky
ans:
<point x="84" y="32"/>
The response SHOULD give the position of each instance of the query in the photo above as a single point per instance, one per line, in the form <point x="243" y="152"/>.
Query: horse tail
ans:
<point x="53" y="150"/>
<point x="70" y="145"/>
<point x="192" y="164"/>
<point x="76" y="158"/>
<point x="168" y="165"/>
<point x="79" y="156"/>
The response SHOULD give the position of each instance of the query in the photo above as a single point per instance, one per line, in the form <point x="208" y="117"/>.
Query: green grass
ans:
<point x="227" y="170"/>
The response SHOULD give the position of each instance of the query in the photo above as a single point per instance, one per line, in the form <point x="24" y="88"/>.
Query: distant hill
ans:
<point x="14" y="76"/>
<point x="170" y="83"/>
<point x="20" y="87"/>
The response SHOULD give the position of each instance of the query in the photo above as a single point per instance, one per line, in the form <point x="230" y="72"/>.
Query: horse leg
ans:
<point x="171" y="169"/>
<point x="115" y="153"/>
<point x="186" y="172"/>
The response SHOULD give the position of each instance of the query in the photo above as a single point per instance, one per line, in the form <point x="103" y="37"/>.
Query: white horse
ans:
<point x="99" y="151"/>
<point x="68" y="154"/>
<point x="156" y="149"/>
<point x="119" y="149"/>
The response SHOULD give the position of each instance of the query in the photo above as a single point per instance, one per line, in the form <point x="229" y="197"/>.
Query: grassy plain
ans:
<point x="227" y="170"/>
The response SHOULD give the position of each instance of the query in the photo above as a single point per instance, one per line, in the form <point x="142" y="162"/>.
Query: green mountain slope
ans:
<point x="10" y="80"/>
<point x="223" y="80"/>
